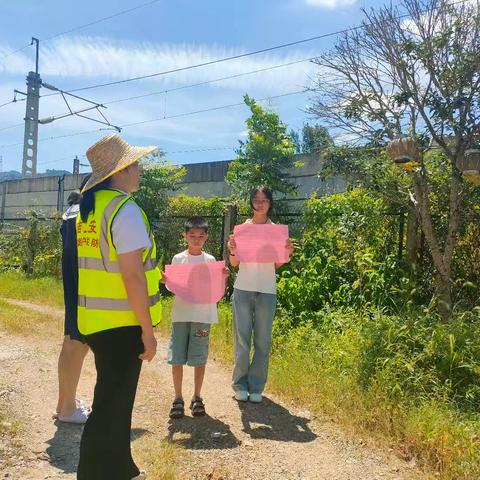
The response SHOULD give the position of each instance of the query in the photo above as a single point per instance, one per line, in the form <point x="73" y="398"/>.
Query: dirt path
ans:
<point x="271" y="441"/>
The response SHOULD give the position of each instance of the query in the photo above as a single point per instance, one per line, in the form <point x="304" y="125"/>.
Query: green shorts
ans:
<point x="189" y="344"/>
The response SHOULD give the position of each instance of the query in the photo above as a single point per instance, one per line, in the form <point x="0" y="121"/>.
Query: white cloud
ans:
<point x="330" y="3"/>
<point x="84" y="59"/>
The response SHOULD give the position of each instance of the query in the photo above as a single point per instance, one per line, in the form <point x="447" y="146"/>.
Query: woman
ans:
<point x="254" y="302"/>
<point x="118" y="302"/>
<point x="74" y="347"/>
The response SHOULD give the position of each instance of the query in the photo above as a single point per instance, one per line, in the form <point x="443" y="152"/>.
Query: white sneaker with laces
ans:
<point x="241" y="396"/>
<point x="256" y="397"/>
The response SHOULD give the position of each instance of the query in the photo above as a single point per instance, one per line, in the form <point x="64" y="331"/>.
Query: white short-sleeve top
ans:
<point x="183" y="311"/>
<point x="256" y="277"/>
<point x="129" y="232"/>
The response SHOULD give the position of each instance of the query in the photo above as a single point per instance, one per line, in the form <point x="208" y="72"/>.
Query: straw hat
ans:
<point x="110" y="155"/>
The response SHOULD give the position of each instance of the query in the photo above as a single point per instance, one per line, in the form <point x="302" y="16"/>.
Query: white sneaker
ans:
<point x="79" y="416"/>
<point x="256" y="397"/>
<point x="141" y="476"/>
<point x="241" y="396"/>
<point x="80" y="404"/>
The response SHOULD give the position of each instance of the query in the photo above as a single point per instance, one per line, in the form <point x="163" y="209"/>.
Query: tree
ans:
<point x="294" y="135"/>
<point x="266" y="157"/>
<point x="158" y="179"/>
<point x="418" y="76"/>
<point x="315" y="138"/>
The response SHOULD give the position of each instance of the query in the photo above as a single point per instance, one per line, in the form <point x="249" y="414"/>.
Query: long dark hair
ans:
<point x="87" y="203"/>
<point x="75" y="197"/>
<point x="267" y="192"/>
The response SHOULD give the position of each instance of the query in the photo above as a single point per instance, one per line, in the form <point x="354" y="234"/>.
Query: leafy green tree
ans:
<point x="266" y="157"/>
<point x="296" y="140"/>
<point x="158" y="179"/>
<point x="315" y="138"/>
<point x="421" y="77"/>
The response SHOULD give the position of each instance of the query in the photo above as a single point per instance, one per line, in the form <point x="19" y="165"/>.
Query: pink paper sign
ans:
<point x="264" y="243"/>
<point x="197" y="282"/>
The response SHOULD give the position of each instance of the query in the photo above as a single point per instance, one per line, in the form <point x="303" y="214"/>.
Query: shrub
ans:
<point x="345" y="257"/>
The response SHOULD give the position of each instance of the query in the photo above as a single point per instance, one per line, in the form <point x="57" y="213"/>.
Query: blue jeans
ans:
<point x="253" y="313"/>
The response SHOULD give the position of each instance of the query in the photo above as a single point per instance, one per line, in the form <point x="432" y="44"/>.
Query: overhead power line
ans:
<point x="81" y="27"/>
<point x="212" y="109"/>
<point x="167" y="152"/>
<point x="255" y="52"/>
<point x="183" y="87"/>
<point x="15" y="51"/>
<point x="103" y="19"/>
<point x="212" y="62"/>
<point x="8" y="103"/>
<point x="11" y="126"/>
<point x="152" y="120"/>
<point x="238" y="56"/>
<point x="206" y="82"/>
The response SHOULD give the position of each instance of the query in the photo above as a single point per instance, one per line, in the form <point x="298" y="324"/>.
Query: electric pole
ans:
<point x="76" y="165"/>
<point x="30" y="138"/>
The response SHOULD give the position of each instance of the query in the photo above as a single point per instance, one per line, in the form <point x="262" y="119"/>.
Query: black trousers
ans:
<point x="105" y="447"/>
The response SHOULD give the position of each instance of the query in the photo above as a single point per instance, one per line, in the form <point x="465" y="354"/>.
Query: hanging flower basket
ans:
<point x="404" y="153"/>
<point x="469" y="165"/>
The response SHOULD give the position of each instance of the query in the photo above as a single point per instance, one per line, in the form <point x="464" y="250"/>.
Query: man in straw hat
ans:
<point x="118" y="302"/>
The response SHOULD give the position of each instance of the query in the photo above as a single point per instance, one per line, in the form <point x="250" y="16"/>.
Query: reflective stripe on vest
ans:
<point x="116" y="304"/>
<point x="102" y="297"/>
<point x="100" y="264"/>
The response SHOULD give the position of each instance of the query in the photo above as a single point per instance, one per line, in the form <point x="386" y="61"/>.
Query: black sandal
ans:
<point x="178" y="408"/>
<point x="197" y="407"/>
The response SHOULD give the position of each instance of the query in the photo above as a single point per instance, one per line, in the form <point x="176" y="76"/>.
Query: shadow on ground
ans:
<point x="64" y="447"/>
<point x="271" y="421"/>
<point x="204" y="433"/>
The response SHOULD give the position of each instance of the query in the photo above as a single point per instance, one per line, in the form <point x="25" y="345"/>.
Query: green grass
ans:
<point x="22" y="321"/>
<point x="43" y="290"/>
<point x="158" y="457"/>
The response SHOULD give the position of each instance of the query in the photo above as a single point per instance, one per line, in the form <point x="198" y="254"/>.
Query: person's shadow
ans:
<point x="64" y="447"/>
<point x="271" y="421"/>
<point x="201" y="433"/>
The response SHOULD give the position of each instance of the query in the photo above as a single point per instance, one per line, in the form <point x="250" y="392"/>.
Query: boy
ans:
<point x="190" y="324"/>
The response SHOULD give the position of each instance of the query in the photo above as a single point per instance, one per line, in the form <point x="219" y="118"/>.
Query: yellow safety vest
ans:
<point x="102" y="297"/>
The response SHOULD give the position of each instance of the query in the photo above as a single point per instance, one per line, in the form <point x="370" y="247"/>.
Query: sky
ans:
<point x="159" y="36"/>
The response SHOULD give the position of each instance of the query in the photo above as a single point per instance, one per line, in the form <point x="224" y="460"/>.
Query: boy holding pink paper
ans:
<point x="198" y="282"/>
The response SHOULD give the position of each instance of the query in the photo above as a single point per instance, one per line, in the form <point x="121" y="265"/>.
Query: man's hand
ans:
<point x="226" y="272"/>
<point x="149" y="346"/>
<point x="163" y="278"/>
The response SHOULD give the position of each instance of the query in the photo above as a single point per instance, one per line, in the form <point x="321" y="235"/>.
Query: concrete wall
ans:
<point x="202" y="179"/>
